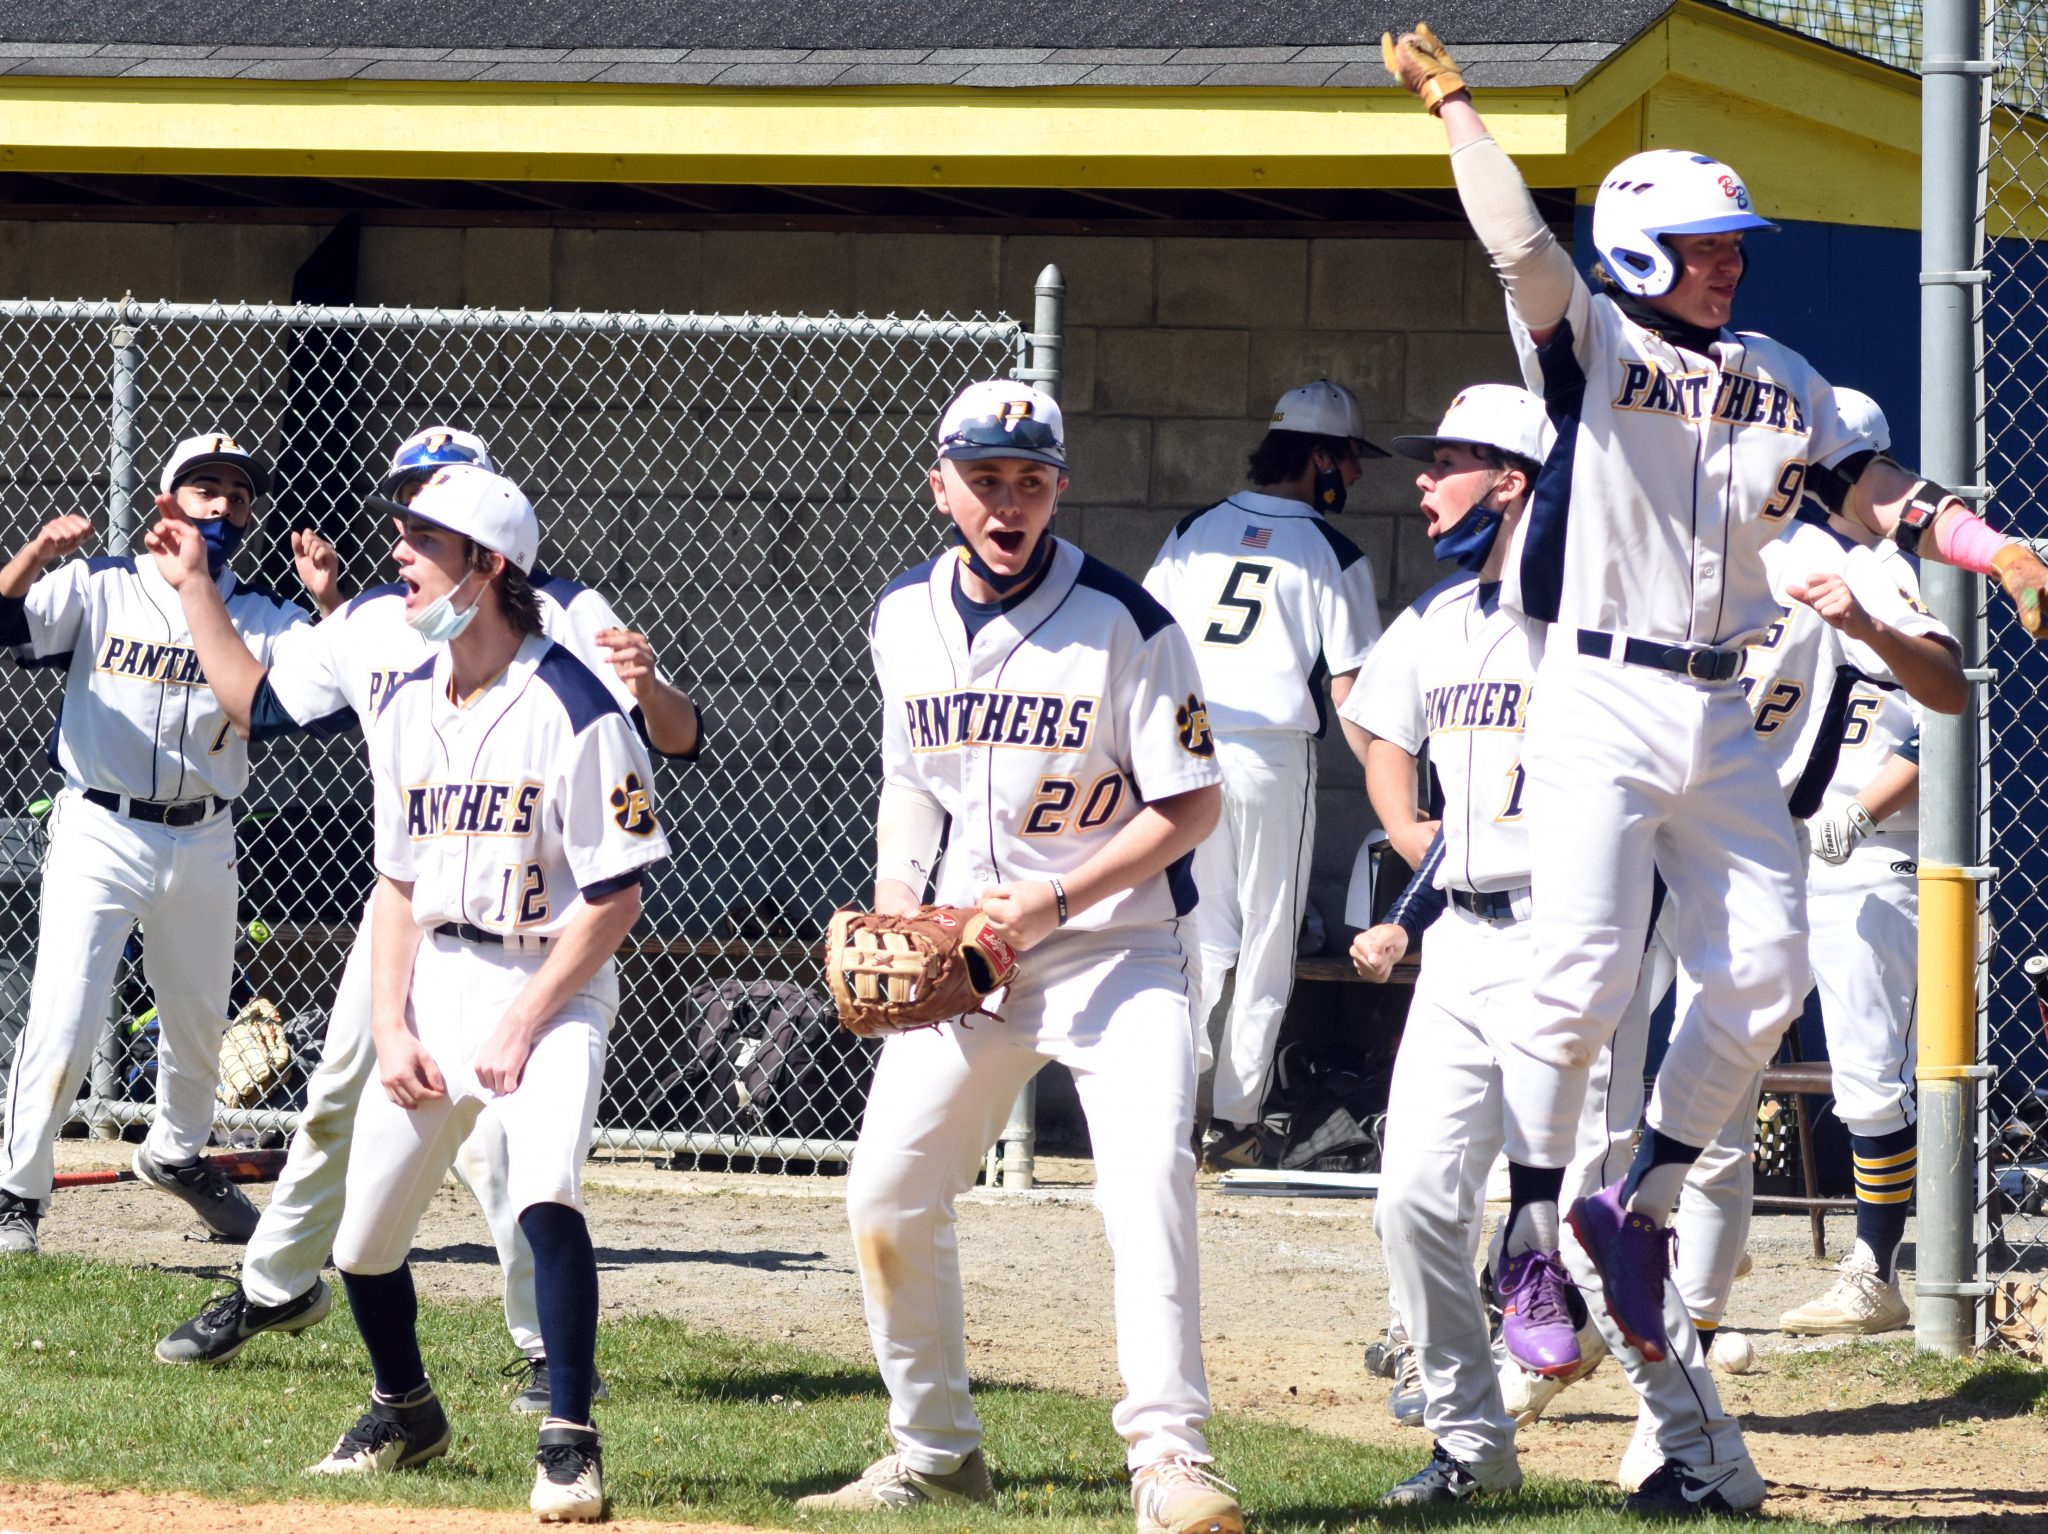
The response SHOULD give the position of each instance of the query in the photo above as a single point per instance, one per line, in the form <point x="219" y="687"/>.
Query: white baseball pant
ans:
<point x="104" y="873"/>
<point x="1253" y="875"/>
<point x="1866" y="962"/>
<point x="459" y="993"/>
<point x="297" y="1230"/>
<point x="1448" y="1116"/>
<point x="1631" y="771"/>
<point x="1114" y="1007"/>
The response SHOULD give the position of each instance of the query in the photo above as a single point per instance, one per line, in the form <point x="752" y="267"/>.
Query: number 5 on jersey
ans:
<point x="1241" y="605"/>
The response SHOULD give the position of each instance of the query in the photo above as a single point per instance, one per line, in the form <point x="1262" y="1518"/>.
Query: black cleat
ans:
<point x="1677" y="1490"/>
<point x="533" y="1399"/>
<point x="218" y="1332"/>
<point x="389" y="1437"/>
<point x="1225" y="1146"/>
<point x="221" y="1206"/>
<point x="18" y="1220"/>
<point x="1442" y="1480"/>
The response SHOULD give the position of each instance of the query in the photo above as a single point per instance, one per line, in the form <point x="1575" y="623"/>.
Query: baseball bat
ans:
<point x="235" y="1166"/>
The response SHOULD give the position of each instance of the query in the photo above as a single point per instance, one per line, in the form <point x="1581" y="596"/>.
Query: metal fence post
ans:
<point x="1013" y="1158"/>
<point x="124" y="402"/>
<point x="1949" y="1290"/>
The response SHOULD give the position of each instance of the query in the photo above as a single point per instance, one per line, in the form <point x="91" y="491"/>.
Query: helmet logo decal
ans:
<point x="1013" y="411"/>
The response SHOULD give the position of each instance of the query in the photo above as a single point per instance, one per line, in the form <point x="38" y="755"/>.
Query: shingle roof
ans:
<point x="785" y="43"/>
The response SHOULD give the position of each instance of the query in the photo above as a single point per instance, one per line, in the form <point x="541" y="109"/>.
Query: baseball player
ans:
<point x="140" y="832"/>
<point x="1457" y="671"/>
<point x="1049" y="707"/>
<point x="514" y="825"/>
<point x="1274" y="599"/>
<point x="325" y="677"/>
<point x="1683" y="448"/>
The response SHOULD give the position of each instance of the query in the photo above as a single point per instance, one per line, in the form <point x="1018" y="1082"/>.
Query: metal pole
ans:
<point x="124" y="401"/>
<point x="1013" y="1158"/>
<point x="1949" y="1290"/>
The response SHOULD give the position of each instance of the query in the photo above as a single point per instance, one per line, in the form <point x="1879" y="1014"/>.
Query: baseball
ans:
<point x="1733" y="1353"/>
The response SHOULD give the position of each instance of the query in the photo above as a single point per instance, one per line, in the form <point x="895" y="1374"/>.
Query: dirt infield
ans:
<point x="1292" y="1288"/>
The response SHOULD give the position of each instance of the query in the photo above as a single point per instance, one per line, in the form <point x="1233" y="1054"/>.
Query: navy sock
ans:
<point x="1657" y="1150"/>
<point x="1537" y="1185"/>
<point x="387" y="1314"/>
<point x="565" y="1295"/>
<point x="1885" y="1168"/>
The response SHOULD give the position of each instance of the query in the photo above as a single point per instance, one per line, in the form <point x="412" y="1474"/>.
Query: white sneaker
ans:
<point x="568" y="1474"/>
<point x="1643" y="1459"/>
<point x="1527" y="1396"/>
<point x="888" y="1485"/>
<point x="1180" y="1496"/>
<point x="1858" y="1303"/>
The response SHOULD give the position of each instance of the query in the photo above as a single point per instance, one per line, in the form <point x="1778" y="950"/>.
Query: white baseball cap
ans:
<point x="195" y="453"/>
<point x="486" y="508"/>
<point x="1864" y="416"/>
<point x="433" y="446"/>
<point x="1499" y="416"/>
<point x="1324" y="409"/>
<point x="1003" y="418"/>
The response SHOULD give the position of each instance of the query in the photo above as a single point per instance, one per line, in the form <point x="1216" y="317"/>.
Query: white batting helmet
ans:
<point x="1663" y="192"/>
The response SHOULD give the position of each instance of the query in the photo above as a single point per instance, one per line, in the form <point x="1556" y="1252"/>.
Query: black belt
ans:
<point x="1497" y="906"/>
<point x="187" y="812"/>
<point x="463" y="932"/>
<point x="1701" y="665"/>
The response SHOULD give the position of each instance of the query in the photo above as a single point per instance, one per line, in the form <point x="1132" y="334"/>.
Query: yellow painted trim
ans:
<point x="1819" y="134"/>
<point x="1948" y="972"/>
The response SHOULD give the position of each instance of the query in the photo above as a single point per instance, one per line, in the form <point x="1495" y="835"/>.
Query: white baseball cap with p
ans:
<point x="1003" y="418"/>
<point x="1324" y="409"/>
<point x="1500" y="416"/>
<point x="486" y="508"/>
<point x="213" y="447"/>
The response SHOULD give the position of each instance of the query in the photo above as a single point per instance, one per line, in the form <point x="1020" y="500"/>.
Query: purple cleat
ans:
<point x="1633" y="1257"/>
<point x="1535" y="1325"/>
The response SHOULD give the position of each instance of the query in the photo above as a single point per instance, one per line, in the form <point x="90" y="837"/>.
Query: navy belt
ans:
<point x="1496" y="906"/>
<point x="187" y="812"/>
<point x="463" y="932"/>
<point x="1702" y="665"/>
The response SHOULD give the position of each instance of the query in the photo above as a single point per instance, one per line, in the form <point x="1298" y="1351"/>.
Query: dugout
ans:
<point x="1238" y="198"/>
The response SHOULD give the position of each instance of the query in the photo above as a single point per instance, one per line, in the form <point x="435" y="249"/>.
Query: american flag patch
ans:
<point x="1257" y="537"/>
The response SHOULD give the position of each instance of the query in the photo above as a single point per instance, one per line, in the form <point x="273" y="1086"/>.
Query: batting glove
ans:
<point x="1837" y="831"/>
<point x="1421" y="63"/>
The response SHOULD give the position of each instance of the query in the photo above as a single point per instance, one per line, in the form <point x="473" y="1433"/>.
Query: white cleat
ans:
<point x="1857" y="1303"/>
<point x="1527" y="1396"/>
<point x="389" y="1437"/>
<point x="1643" y="1459"/>
<point x="889" y="1485"/>
<point x="1181" y="1496"/>
<point x="568" y="1474"/>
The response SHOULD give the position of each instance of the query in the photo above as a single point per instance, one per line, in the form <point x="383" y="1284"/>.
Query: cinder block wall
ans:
<point x="1176" y="348"/>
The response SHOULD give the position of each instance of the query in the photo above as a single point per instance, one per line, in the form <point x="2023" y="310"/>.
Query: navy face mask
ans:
<point x="1329" y="490"/>
<point x="1041" y="556"/>
<point x="222" y="537"/>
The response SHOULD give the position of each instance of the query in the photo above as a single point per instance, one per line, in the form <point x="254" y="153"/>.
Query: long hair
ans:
<point x="515" y="591"/>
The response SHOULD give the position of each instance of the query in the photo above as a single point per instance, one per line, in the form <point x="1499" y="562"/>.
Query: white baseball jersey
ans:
<point x="1671" y="472"/>
<point x="330" y="674"/>
<point x="1274" y="600"/>
<point x="1045" y="735"/>
<point x="508" y="811"/>
<point x="1882" y="720"/>
<point x="1802" y="677"/>
<point x="137" y="717"/>
<point x="1457" y="670"/>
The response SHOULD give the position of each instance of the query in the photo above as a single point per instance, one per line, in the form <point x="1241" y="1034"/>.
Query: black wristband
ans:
<point x="1923" y="505"/>
<point x="1059" y="895"/>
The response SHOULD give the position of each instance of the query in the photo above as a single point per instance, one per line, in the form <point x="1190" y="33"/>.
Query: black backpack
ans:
<point x="1322" y="1115"/>
<point x="767" y="1058"/>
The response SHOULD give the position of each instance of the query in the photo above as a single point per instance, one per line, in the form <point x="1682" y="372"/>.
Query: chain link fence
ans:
<point x="2014" y="437"/>
<point x="739" y="487"/>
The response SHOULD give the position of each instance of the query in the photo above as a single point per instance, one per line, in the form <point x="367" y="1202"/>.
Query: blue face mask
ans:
<point x="222" y="537"/>
<point x="1041" y="556"/>
<point x="441" y="620"/>
<point x="1329" y="490"/>
<point x="1471" y="542"/>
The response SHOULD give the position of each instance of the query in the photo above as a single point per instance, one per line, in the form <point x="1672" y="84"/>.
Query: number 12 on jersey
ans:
<point x="526" y="883"/>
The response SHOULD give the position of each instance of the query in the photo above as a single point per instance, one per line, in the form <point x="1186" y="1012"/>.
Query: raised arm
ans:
<point x="1935" y="523"/>
<point x="232" y="672"/>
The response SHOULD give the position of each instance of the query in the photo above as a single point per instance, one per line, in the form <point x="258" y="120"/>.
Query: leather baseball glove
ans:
<point x="1420" y="62"/>
<point x="254" y="1055"/>
<point x="893" y="974"/>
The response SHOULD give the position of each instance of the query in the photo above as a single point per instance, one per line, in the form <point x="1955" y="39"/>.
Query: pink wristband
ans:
<point x="1965" y="541"/>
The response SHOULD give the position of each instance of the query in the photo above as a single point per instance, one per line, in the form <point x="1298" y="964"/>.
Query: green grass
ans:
<point x="1991" y="1384"/>
<point x="704" y="1427"/>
